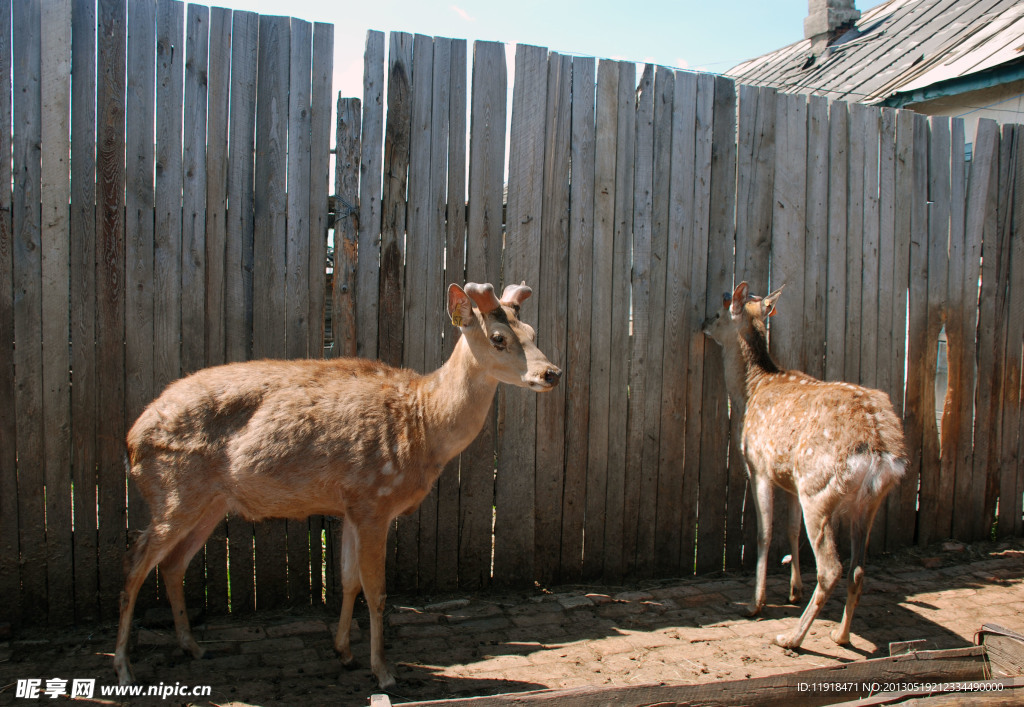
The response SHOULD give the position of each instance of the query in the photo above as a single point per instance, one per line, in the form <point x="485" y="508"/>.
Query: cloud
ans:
<point x="462" y="13"/>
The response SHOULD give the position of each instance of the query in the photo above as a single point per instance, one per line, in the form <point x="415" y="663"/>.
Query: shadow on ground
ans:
<point x="458" y="645"/>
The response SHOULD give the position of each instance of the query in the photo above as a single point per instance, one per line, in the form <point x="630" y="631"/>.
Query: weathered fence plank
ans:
<point x="605" y="131"/>
<point x="269" y="253"/>
<point x="10" y="572"/>
<point x="110" y="332"/>
<point x="28" y="304"/>
<point x="479" y="489"/>
<point x="515" y="494"/>
<point x="238" y="258"/>
<point x="698" y="310"/>
<point x="319" y="185"/>
<point x="217" y="187"/>
<point x="982" y="217"/>
<point x="917" y="412"/>
<point x="369" y="205"/>
<point x="615" y="561"/>
<point x="578" y="317"/>
<point x="343" y="307"/>
<point x="551" y="301"/>
<point x="193" y="229"/>
<point x="140" y="386"/>
<point x="193" y="233"/>
<point x="838" y="179"/>
<point x="298" y="254"/>
<point x="216" y="167"/>
<point x="1011" y="483"/>
<point x="670" y="492"/>
<point x="83" y="298"/>
<point x="55" y="192"/>
<point x="755" y="179"/>
<point x="869" y="278"/>
<point x="453" y="223"/>
<point x="418" y="251"/>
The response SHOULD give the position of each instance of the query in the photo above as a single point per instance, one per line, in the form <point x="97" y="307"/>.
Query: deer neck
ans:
<point x="748" y="364"/>
<point x="457" y="398"/>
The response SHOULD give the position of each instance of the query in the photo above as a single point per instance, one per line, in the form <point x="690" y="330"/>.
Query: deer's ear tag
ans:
<point x="456" y="319"/>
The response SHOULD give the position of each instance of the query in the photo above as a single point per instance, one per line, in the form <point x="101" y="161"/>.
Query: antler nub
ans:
<point x="515" y="295"/>
<point x="483" y="296"/>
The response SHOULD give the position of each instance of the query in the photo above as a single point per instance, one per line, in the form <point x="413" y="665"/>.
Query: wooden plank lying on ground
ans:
<point x="959" y="664"/>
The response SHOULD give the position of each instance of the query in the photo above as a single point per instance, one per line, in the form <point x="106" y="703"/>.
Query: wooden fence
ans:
<point x="629" y="205"/>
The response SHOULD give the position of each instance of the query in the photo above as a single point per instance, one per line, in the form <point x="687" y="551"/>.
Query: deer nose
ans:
<point x="552" y="375"/>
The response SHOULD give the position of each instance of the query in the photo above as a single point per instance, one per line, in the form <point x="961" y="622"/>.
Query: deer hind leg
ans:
<point x="162" y="538"/>
<point x="351" y="586"/>
<point x="796" y="582"/>
<point x="173" y="569"/>
<point x="372" y="545"/>
<point x="763" y="501"/>
<point x="830" y="569"/>
<point x="860" y="530"/>
<point x="140" y="560"/>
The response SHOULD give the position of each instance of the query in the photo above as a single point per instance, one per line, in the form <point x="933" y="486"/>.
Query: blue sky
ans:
<point x="707" y="36"/>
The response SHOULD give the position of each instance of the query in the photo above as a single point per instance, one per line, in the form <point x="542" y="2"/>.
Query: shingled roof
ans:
<point x="903" y="51"/>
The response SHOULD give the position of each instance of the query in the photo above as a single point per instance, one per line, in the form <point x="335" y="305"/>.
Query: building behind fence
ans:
<point x="629" y="203"/>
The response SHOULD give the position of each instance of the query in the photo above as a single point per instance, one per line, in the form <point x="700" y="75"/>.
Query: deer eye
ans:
<point x="498" y="341"/>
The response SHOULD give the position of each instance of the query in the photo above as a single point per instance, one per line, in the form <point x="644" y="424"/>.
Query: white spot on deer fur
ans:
<point x="828" y="434"/>
<point x="388" y="469"/>
<point x="384" y="491"/>
<point x="803" y="381"/>
<point x="791" y="378"/>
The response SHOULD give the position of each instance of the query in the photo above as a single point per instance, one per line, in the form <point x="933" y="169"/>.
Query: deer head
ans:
<point x="742" y="315"/>
<point x="504" y="346"/>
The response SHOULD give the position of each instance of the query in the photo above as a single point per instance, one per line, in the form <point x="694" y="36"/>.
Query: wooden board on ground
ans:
<point x="959" y="664"/>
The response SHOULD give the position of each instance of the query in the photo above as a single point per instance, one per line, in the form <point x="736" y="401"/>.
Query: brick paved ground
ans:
<point x="685" y="631"/>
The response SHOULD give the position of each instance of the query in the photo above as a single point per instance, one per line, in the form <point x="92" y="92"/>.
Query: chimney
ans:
<point x="824" y="17"/>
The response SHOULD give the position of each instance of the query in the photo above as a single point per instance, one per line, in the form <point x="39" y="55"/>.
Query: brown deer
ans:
<point x="836" y="448"/>
<point x="289" y="439"/>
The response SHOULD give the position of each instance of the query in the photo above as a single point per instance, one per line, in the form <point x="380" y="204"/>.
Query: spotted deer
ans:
<point x="836" y="448"/>
<point x="289" y="439"/>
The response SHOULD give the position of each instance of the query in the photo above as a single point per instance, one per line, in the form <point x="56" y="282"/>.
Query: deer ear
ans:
<point x="739" y="298"/>
<point x="768" y="303"/>
<point x="460" y="306"/>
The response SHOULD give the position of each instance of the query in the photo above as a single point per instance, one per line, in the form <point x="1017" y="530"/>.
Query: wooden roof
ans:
<point x="897" y="47"/>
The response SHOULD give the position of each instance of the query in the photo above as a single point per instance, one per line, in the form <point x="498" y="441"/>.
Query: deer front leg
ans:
<point x="796" y="583"/>
<point x="372" y="549"/>
<point x="350" y="585"/>
<point x="763" y="501"/>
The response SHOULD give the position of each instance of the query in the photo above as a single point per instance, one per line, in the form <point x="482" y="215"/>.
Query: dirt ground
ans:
<point x="680" y="631"/>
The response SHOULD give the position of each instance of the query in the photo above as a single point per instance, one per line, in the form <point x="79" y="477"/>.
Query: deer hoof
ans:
<point x="785" y="640"/>
<point x="839" y="637"/>
<point x="795" y="596"/>
<point x="387" y="680"/>
<point x="350" y="663"/>
<point x="753" y="610"/>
